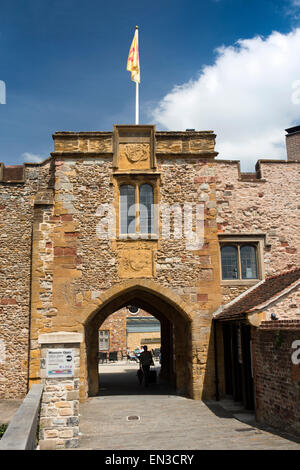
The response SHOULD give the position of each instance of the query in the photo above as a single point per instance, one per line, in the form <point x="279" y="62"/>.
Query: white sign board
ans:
<point x="60" y="363"/>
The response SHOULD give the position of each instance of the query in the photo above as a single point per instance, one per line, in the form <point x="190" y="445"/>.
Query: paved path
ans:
<point x="165" y="421"/>
<point x="7" y="410"/>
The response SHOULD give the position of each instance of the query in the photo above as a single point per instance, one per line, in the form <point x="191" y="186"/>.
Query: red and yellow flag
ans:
<point x="133" y="62"/>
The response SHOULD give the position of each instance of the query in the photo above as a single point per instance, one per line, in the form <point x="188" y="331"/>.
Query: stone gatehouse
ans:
<point x="106" y="221"/>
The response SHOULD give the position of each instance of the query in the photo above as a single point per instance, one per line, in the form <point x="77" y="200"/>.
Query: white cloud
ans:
<point x="32" y="157"/>
<point x="247" y="97"/>
<point x="291" y="9"/>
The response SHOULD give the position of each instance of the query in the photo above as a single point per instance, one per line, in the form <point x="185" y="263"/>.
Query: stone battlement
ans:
<point x="188" y="142"/>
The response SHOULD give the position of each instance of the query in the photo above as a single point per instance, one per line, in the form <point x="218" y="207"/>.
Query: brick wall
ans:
<point x="276" y="378"/>
<point x="116" y="325"/>
<point x="293" y="146"/>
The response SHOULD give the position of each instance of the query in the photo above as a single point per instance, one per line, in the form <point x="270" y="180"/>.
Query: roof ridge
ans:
<point x="260" y="293"/>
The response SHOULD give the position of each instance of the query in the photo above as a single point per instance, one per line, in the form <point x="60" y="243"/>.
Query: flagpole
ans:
<point x="133" y="66"/>
<point x="136" y="103"/>
<point x="137" y="87"/>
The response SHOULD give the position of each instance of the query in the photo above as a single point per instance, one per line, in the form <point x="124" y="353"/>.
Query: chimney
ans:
<point x="293" y="144"/>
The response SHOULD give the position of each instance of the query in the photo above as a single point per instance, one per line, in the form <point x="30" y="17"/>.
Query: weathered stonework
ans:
<point x="136" y="156"/>
<point x="267" y="205"/>
<point x="16" y="219"/>
<point x="135" y="263"/>
<point x="77" y="264"/>
<point x="59" y="417"/>
<point x="59" y="273"/>
<point x="285" y="307"/>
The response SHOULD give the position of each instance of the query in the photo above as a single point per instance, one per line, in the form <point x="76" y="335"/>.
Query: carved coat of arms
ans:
<point x="135" y="153"/>
<point x="135" y="263"/>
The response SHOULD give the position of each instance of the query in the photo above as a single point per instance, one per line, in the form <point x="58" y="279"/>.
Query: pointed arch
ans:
<point x="116" y="296"/>
<point x="158" y="300"/>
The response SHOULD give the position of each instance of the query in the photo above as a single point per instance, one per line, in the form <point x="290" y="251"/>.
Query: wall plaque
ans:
<point x="60" y="363"/>
<point x="134" y="263"/>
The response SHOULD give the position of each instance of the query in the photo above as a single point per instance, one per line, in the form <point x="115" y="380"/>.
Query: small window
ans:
<point x="229" y="262"/>
<point x="248" y="262"/>
<point x="146" y="208"/>
<point x="239" y="261"/>
<point x="127" y="208"/>
<point x="103" y="340"/>
<point x="137" y="209"/>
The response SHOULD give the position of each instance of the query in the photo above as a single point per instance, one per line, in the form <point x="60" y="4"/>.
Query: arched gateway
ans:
<point x="168" y="308"/>
<point x="122" y="218"/>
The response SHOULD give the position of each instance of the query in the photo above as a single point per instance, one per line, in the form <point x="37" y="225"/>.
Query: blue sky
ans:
<point x="64" y="66"/>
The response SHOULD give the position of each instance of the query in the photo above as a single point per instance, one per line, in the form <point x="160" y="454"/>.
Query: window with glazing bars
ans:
<point x="134" y="201"/>
<point x="103" y="340"/>
<point x="239" y="261"/>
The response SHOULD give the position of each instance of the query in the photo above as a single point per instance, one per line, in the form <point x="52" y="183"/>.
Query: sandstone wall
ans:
<point x="16" y="218"/>
<point x="78" y="267"/>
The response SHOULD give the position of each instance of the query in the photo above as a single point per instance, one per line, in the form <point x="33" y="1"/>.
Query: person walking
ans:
<point x="146" y="360"/>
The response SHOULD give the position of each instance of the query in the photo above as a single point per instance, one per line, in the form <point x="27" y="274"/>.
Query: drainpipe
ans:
<point x="216" y="361"/>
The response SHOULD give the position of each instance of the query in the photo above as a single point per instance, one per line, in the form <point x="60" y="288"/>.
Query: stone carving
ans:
<point x="135" y="263"/>
<point x="134" y="154"/>
<point x="65" y="293"/>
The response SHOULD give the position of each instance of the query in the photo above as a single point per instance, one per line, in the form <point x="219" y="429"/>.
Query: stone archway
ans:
<point x="176" y="323"/>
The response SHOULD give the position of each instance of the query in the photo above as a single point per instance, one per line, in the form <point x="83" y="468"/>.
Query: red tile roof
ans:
<point x="267" y="289"/>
